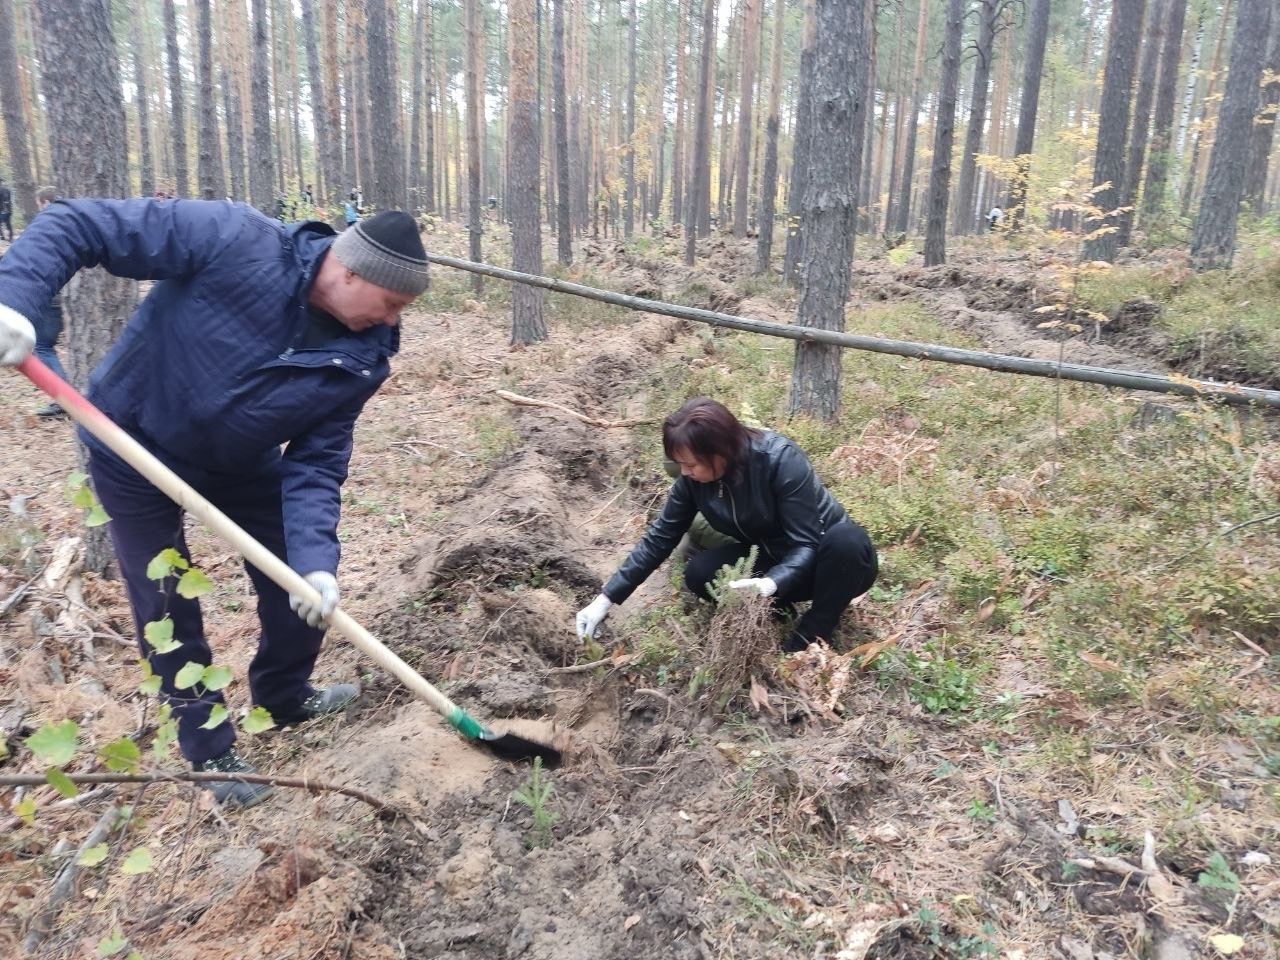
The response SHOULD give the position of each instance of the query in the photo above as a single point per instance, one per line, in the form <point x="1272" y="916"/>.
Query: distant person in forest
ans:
<point x="244" y="370"/>
<point x="995" y="218"/>
<point x="351" y="209"/>
<point x="755" y="487"/>
<point x="49" y="324"/>
<point x="6" y="210"/>
<point x="281" y="206"/>
<point x="308" y="197"/>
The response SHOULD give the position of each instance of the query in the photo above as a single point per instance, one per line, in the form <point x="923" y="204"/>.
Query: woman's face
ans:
<point x="696" y="469"/>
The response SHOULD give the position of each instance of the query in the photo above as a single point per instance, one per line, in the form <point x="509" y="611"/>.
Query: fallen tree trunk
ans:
<point x="1183" y="386"/>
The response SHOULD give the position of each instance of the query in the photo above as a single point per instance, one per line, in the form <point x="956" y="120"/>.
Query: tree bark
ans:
<point x="338" y="186"/>
<point x="629" y="147"/>
<point x="524" y="196"/>
<point x="800" y="136"/>
<point x="1113" y="126"/>
<point x="564" y="224"/>
<point x="1264" y="125"/>
<point x="903" y="219"/>
<point x="388" y="191"/>
<point x="935" y="240"/>
<point x="209" y="145"/>
<point x="700" y="174"/>
<point x="17" y="131"/>
<point x="418" y="96"/>
<point x="177" y="108"/>
<point x="830" y="205"/>
<point x="89" y="158"/>
<point x="746" y="99"/>
<point x="989" y="12"/>
<point x="146" y="161"/>
<point x="474" y="51"/>
<point x="1037" y="36"/>
<point x="1213" y="241"/>
<point x="683" y="15"/>
<point x="1157" y="172"/>
<point x="769" y="179"/>
<point x="1151" y="45"/>
<point x="261" y="172"/>
<point x="328" y="161"/>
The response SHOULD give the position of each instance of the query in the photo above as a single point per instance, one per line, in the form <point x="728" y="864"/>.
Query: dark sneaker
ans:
<point x="795" y="642"/>
<point x="51" y="411"/>
<point x="321" y="703"/>
<point x="233" y="793"/>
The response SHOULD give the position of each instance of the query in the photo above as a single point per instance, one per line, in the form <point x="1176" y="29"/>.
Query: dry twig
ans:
<point x="552" y="405"/>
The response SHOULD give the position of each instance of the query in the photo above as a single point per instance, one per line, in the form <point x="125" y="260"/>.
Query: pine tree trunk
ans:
<point x="235" y="134"/>
<point x="800" y="136"/>
<point x="899" y="113"/>
<point x="358" y="29"/>
<point x="474" y="51"/>
<point x="1213" y="241"/>
<point x="524" y="192"/>
<point x="830" y="205"/>
<point x="746" y="98"/>
<point x="988" y="14"/>
<point x="1037" y="36"/>
<point x="81" y="76"/>
<point x="328" y="161"/>
<point x="944" y="135"/>
<point x="629" y="147"/>
<point x="683" y="15"/>
<point x="177" y="108"/>
<point x="1157" y="173"/>
<point x="17" y="132"/>
<point x="1264" y="125"/>
<point x="1152" y="42"/>
<point x="700" y="174"/>
<point x="414" y="182"/>
<point x="564" y="225"/>
<point x="146" y="160"/>
<point x="769" y="179"/>
<point x="337" y="162"/>
<point x="261" y="173"/>
<point x="902" y="223"/>
<point x="388" y="190"/>
<point x="209" y="145"/>
<point x="1113" y="126"/>
<point x="429" y="111"/>
<point x="294" y="89"/>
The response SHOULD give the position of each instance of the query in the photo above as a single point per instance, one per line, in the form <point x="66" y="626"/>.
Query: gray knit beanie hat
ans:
<point x="385" y="250"/>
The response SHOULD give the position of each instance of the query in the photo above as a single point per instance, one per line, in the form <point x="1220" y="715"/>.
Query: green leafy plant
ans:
<point x="1218" y="875"/>
<point x="743" y="569"/>
<point x="535" y="794"/>
<point x="80" y="494"/>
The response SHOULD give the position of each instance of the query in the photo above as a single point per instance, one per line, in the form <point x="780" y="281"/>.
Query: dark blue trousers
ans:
<point x="144" y="522"/>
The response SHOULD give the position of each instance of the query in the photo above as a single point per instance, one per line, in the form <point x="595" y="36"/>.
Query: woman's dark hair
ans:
<point x="707" y="429"/>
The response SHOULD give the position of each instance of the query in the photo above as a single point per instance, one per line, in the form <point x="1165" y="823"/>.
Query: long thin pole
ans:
<point x="1207" y="389"/>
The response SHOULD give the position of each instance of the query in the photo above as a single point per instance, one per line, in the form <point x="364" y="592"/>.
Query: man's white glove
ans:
<point x="17" y="337"/>
<point x="590" y="616"/>
<point x="761" y="585"/>
<point x="315" y="614"/>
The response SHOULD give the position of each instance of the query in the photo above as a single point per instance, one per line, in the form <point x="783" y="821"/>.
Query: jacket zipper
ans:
<point x="733" y="509"/>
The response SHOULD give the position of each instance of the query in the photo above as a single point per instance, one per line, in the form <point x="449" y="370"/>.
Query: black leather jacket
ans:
<point x="776" y="502"/>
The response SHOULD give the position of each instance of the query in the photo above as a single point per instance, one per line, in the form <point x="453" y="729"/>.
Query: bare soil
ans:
<point x="473" y="529"/>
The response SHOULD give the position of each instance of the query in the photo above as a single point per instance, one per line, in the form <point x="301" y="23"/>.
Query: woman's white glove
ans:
<point x="761" y="585"/>
<point x="316" y="614"/>
<point x="17" y="337"/>
<point x="590" y="616"/>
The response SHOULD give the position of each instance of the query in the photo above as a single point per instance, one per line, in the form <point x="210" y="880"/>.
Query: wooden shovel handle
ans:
<point x="173" y="486"/>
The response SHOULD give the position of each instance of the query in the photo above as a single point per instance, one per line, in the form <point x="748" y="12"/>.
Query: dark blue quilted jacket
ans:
<point x="210" y="370"/>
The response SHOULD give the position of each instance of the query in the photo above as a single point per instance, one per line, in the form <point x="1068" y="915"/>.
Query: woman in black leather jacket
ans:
<point x="757" y="487"/>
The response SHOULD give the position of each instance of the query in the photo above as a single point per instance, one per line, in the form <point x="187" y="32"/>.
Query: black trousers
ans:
<point x="846" y="568"/>
<point x="144" y="522"/>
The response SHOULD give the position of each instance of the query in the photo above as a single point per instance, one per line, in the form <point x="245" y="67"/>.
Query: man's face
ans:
<point x="360" y="305"/>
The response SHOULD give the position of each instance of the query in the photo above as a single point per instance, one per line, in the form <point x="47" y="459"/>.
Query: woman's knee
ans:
<point x="849" y="548"/>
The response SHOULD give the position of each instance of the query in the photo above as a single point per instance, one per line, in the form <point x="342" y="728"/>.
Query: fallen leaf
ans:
<point x="1227" y="943"/>
<point x="760" y="697"/>
<point x="630" y="922"/>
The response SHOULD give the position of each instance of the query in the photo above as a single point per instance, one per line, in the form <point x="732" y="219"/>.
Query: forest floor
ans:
<point x="1051" y="730"/>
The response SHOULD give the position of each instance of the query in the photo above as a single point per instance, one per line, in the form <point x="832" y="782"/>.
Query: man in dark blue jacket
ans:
<point x="243" y="370"/>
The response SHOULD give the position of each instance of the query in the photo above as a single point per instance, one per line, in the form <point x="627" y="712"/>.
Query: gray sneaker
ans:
<point x="233" y="793"/>
<point x="322" y="702"/>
